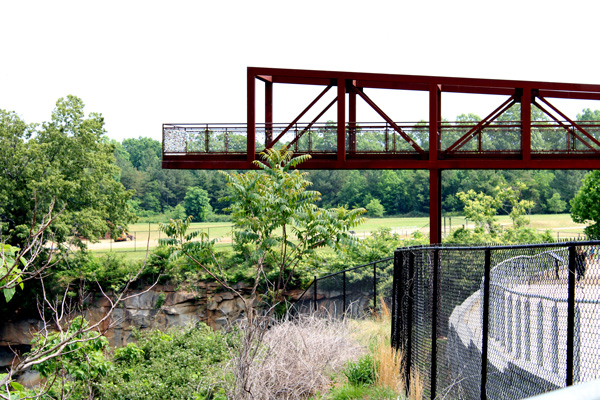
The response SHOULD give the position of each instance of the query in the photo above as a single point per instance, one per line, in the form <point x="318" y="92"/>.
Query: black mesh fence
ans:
<point x="532" y="326"/>
<point x="354" y="292"/>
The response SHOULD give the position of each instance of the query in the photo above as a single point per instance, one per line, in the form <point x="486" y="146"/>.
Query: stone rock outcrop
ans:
<point x="161" y="307"/>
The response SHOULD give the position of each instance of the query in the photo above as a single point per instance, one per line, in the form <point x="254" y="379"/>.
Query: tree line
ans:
<point x="398" y="192"/>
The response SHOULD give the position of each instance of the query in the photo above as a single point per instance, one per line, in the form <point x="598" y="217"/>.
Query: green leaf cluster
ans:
<point x="178" y="364"/>
<point x="10" y="273"/>
<point x="67" y="159"/>
<point x="585" y="206"/>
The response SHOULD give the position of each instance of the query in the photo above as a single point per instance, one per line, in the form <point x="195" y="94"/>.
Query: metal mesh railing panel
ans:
<point x="540" y="309"/>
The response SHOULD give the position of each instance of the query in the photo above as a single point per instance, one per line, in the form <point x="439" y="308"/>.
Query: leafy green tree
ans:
<point x="556" y="204"/>
<point x="81" y="362"/>
<point x="197" y="203"/>
<point x="481" y="209"/>
<point x="375" y="209"/>
<point x="509" y="198"/>
<point x="67" y="160"/>
<point x="585" y="206"/>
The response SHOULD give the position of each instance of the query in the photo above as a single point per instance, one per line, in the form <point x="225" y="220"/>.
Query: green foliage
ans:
<point x="81" y="361"/>
<point x="10" y="273"/>
<point x="585" y="206"/>
<point x="361" y="372"/>
<point x="160" y="300"/>
<point x="375" y="209"/>
<point x="197" y="203"/>
<point x="179" y="364"/>
<point x="556" y="204"/>
<point x="110" y="270"/>
<point x="275" y="214"/>
<point x="349" y="392"/>
<point x="67" y="159"/>
<point x="481" y="209"/>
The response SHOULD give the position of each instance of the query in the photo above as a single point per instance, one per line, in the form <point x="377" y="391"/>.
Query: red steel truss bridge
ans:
<point x="494" y="142"/>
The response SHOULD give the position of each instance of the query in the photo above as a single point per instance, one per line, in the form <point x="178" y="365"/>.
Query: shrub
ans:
<point x="178" y="364"/>
<point x="298" y="357"/>
<point x="361" y="372"/>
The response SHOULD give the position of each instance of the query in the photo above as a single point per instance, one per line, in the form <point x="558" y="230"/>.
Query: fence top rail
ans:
<point x="500" y="247"/>
<point x="356" y="267"/>
<point x="543" y="297"/>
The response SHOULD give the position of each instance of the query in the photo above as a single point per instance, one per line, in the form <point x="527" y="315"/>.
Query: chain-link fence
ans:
<point x="499" y="322"/>
<point x="353" y="292"/>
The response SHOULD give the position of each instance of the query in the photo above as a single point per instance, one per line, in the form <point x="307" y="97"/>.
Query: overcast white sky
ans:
<point x="143" y="63"/>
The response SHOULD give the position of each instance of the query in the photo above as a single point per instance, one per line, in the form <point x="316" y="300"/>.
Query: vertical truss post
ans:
<point x="352" y="119"/>
<point x="435" y="206"/>
<point x="435" y="120"/>
<point x="251" y="118"/>
<point x="341" y="120"/>
<point x="526" y="124"/>
<point x="268" y="114"/>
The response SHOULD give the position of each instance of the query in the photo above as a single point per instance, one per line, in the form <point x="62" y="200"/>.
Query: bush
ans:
<point x="361" y="372"/>
<point x="178" y="364"/>
<point x="298" y="358"/>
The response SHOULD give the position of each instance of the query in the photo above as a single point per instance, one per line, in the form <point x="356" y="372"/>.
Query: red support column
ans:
<point x="526" y="124"/>
<point x="268" y="114"/>
<point x="435" y="120"/>
<point x="435" y="206"/>
<point x="251" y="118"/>
<point x="341" y="120"/>
<point x="352" y="119"/>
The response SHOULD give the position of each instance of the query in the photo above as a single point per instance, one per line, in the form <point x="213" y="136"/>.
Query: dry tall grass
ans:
<point x="298" y="358"/>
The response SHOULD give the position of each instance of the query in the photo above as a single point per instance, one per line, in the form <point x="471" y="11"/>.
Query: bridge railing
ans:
<point x="456" y="138"/>
<point x="526" y="326"/>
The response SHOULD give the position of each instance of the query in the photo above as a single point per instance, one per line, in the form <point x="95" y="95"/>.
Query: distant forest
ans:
<point x="401" y="192"/>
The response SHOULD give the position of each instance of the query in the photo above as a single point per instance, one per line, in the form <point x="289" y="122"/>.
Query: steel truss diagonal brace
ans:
<point x="481" y="125"/>
<point x="579" y="128"/>
<point x="300" y="115"/>
<point x="307" y="128"/>
<point x="388" y="120"/>
<point x="563" y="125"/>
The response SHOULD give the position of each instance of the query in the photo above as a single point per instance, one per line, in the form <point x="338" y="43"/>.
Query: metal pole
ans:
<point x="434" y="321"/>
<point x="315" y="292"/>
<point x="571" y="316"/>
<point x="486" y="322"/>
<point x="409" y="317"/>
<point x="397" y="288"/>
<point x="344" y="290"/>
<point x="375" y="286"/>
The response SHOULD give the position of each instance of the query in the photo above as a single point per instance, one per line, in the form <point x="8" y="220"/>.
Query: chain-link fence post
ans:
<point x="375" y="287"/>
<point x="344" y="291"/>
<point x="486" y="321"/>
<point x="315" y="292"/>
<point x="527" y="308"/>
<point x="397" y="289"/>
<point x="571" y="314"/>
<point x="434" y="320"/>
<point x="540" y="334"/>
<point x="409" y="317"/>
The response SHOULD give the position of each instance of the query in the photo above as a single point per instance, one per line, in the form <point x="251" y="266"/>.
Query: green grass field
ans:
<point x="148" y="234"/>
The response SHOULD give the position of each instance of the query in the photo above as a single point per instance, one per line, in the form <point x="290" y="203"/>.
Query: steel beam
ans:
<point x="341" y="120"/>
<point x="268" y="114"/>
<point x="526" y="124"/>
<point x="435" y="206"/>
<point x="251" y="117"/>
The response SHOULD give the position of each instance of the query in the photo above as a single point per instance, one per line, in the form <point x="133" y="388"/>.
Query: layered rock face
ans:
<point x="160" y="308"/>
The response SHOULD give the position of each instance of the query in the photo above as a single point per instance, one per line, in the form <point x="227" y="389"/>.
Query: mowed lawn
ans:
<point x="148" y="234"/>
